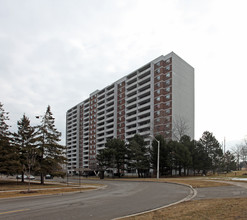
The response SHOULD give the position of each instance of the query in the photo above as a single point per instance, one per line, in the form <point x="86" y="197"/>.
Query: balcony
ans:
<point x="131" y="76"/>
<point x="144" y="100"/>
<point x="144" y="75"/>
<point x="144" y="107"/>
<point x="132" y="87"/>
<point x="131" y="81"/>
<point x="131" y="114"/>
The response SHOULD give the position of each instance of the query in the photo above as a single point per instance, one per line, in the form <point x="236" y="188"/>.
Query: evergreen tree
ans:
<point x="191" y="146"/>
<point x="165" y="156"/>
<point x="139" y="156"/>
<point x="229" y="162"/>
<point x="9" y="160"/>
<point x="50" y="152"/>
<point x="181" y="156"/>
<point x="213" y="150"/>
<point x="113" y="155"/>
<point x="26" y="140"/>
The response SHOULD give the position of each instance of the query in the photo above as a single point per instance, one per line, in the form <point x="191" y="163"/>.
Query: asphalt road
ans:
<point x="118" y="199"/>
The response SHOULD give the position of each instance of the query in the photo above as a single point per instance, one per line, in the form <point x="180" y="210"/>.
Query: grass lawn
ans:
<point x="208" y="209"/>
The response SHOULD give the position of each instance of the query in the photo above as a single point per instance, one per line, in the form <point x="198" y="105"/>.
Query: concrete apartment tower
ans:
<point x="155" y="99"/>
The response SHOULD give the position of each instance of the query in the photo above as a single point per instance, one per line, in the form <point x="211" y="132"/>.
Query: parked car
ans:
<point x="48" y="176"/>
<point x="31" y="177"/>
<point x="20" y="176"/>
<point x="88" y="173"/>
<point x="25" y="177"/>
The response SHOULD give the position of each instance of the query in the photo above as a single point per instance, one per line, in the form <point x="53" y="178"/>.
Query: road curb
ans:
<point x="193" y="193"/>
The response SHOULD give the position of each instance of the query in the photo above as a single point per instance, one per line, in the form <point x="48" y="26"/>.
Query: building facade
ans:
<point x="151" y="100"/>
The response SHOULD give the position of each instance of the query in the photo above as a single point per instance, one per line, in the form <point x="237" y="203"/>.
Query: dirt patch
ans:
<point x="27" y="192"/>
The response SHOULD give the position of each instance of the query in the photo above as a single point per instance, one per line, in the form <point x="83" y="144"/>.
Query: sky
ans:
<point x="57" y="52"/>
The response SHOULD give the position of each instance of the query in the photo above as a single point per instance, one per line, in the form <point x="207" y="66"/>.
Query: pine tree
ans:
<point x="26" y="140"/>
<point x="51" y="153"/>
<point x="138" y="155"/>
<point x="213" y="150"/>
<point x="9" y="160"/>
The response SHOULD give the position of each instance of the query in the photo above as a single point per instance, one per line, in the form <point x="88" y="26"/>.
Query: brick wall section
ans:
<point x="92" y="131"/>
<point x="163" y="98"/>
<point x="81" y="137"/>
<point x="121" y="111"/>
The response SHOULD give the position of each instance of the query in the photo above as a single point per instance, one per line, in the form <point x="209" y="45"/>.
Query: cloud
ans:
<point x="58" y="52"/>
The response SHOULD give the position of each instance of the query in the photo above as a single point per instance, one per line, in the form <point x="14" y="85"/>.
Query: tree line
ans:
<point x="33" y="149"/>
<point x="183" y="157"/>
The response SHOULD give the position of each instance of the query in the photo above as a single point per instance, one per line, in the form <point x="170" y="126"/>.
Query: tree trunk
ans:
<point x="180" y="170"/>
<point x="22" y="177"/>
<point x="42" y="179"/>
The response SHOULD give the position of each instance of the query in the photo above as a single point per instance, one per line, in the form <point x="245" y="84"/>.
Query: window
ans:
<point x="168" y="96"/>
<point x="158" y="113"/>
<point x="168" y="89"/>
<point x="158" y="91"/>
<point x="158" y="64"/>
<point x="158" y="70"/>
<point x="168" y="75"/>
<point x="167" y="111"/>
<point x="168" y="61"/>
<point x="167" y="103"/>
<point x="158" y="98"/>
<point x="158" y="77"/>
<point x="168" y="82"/>
<point x="158" y="84"/>
<point x="168" y="68"/>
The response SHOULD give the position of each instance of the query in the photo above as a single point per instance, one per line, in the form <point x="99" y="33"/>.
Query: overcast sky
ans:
<point x="57" y="52"/>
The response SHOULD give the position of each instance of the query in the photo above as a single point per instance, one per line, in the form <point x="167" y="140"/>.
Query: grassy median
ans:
<point x="10" y="188"/>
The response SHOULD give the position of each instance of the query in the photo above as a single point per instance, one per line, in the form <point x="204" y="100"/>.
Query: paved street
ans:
<point x="120" y="198"/>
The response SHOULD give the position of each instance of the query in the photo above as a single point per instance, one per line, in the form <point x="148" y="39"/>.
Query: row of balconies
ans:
<point x="139" y="72"/>
<point x="139" y="87"/>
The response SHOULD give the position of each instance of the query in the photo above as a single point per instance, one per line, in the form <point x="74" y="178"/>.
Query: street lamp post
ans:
<point x="158" y="157"/>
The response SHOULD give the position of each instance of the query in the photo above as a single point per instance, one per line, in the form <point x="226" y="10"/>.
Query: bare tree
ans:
<point x="237" y="153"/>
<point x="244" y="150"/>
<point x="240" y="152"/>
<point x="180" y="127"/>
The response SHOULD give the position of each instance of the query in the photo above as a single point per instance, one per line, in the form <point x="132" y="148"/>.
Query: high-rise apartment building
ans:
<point x="148" y="101"/>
